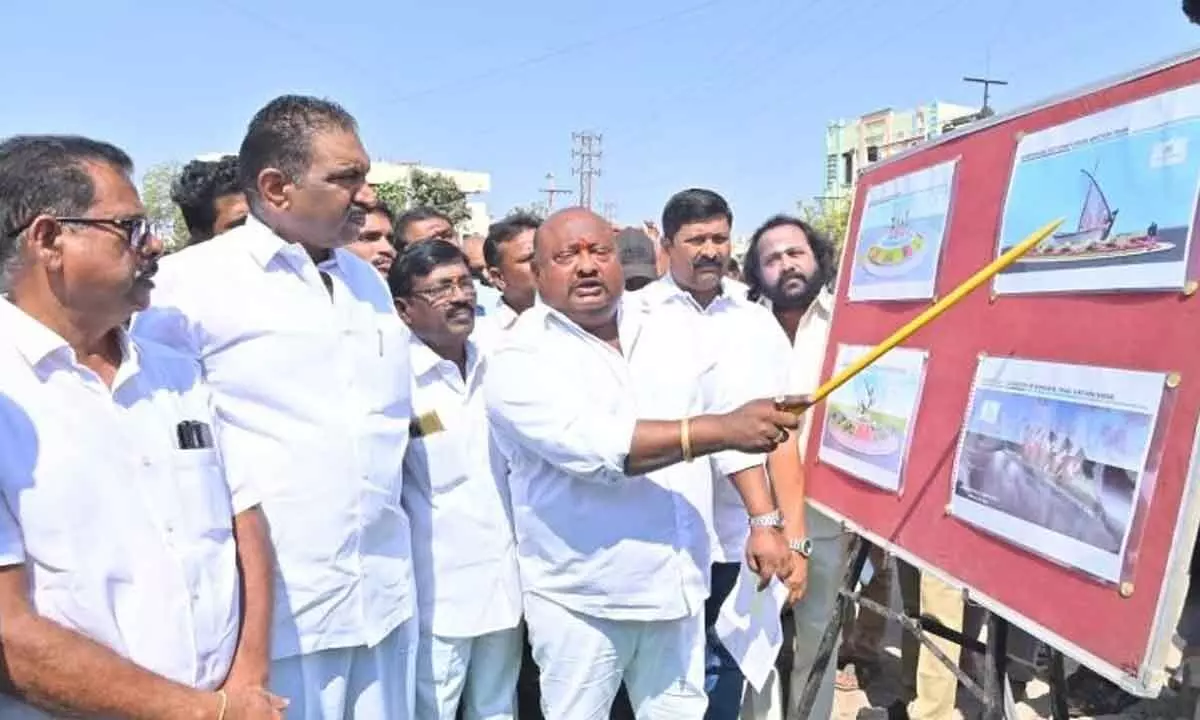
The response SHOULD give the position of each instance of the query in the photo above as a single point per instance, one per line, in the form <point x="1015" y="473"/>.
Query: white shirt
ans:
<point x="496" y="319"/>
<point x="127" y="538"/>
<point x="456" y="494"/>
<point x="808" y="356"/>
<point x="312" y="397"/>
<point x="564" y="406"/>
<point x="753" y="356"/>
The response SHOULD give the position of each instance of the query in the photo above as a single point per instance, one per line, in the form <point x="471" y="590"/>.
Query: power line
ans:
<point x="586" y="153"/>
<point x="551" y="191"/>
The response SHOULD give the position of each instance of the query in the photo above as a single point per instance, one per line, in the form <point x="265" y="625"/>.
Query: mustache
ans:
<point x="705" y="263"/>
<point x="586" y="283"/>
<point x="793" y="275"/>
<point x="147" y="270"/>
<point x="356" y="215"/>
<point x="458" y="306"/>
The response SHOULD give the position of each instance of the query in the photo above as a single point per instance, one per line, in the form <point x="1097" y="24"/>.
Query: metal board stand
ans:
<point x="995" y="695"/>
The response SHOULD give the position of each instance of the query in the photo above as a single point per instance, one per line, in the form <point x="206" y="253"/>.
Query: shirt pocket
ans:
<point x="205" y="502"/>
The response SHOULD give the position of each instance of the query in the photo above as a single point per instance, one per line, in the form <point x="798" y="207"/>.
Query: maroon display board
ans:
<point x="1153" y="331"/>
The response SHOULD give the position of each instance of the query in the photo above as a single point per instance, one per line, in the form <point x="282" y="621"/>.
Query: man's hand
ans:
<point x="759" y="425"/>
<point x="247" y="703"/>
<point x="796" y="577"/>
<point x="767" y="554"/>
<point x="243" y="675"/>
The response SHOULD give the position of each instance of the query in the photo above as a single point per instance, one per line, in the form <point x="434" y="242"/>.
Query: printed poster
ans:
<point x="900" y="236"/>
<point x="1126" y="181"/>
<point x="869" y="420"/>
<point x="1053" y="457"/>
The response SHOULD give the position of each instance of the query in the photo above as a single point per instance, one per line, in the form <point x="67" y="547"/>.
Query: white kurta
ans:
<point x="127" y="537"/>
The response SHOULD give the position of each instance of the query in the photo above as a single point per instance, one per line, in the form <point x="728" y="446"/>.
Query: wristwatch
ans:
<point x="804" y="546"/>
<point x="772" y="519"/>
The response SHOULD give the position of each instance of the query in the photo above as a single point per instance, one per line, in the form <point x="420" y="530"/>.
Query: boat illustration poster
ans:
<point x="869" y="420"/>
<point x="900" y="236"/>
<point x="1126" y="180"/>
<point x="1053" y="458"/>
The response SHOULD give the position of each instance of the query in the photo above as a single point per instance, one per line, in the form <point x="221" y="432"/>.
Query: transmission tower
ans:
<point x="610" y="211"/>
<point x="586" y="156"/>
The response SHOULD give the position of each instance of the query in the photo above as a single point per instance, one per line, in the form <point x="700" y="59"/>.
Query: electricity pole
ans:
<point x="586" y="154"/>
<point x="610" y="211"/>
<point x="987" y="84"/>
<point x="551" y="191"/>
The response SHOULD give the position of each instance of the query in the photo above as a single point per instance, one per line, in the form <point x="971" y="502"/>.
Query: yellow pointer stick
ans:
<point x="925" y="318"/>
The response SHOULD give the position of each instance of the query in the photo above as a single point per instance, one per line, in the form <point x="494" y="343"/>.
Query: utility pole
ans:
<point x="987" y="84"/>
<point x="586" y="154"/>
<point x="551" y="191"/>
<point x="610" y="211"/>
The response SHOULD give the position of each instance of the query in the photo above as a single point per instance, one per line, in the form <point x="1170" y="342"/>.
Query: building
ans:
<point x="851" y="145"/>
<point x="472" y="183"/>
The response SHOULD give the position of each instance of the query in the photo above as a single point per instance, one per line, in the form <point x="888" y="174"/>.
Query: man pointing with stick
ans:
<point x="611" y="512"/>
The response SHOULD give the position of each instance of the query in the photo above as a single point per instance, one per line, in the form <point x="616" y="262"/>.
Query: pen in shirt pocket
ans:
<point x="379" y="334"/>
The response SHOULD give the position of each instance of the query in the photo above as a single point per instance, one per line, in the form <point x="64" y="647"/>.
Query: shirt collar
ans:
<point x="425" y="360"/>
<point x="666" y="289"/>
<point x="631" y="311"/>
<point x="264" y="244"/>
<point x="38" y="343"/>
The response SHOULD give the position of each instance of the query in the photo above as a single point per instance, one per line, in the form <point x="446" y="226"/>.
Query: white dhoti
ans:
<point x="359" y="683"/>
<point x="583" y="659"/>
<point x="480" y="673"/>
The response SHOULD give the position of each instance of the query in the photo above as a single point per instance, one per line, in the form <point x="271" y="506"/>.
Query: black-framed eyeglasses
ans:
<point x="137" y="230"/>
<point x="444" y="291"/>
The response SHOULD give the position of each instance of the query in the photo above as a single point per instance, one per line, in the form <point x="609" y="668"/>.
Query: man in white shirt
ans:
<point x="420" y="224"/>
<point x="308" y="362"/>
<point x="600" y="407"/>
<point x="376" y="242"/>
<point x="120" y="541"/>
<point x="508" y="253"/>
<point x="456" y="495"/>
<point x="753" y="363"/>
<point x="789" y="264"/>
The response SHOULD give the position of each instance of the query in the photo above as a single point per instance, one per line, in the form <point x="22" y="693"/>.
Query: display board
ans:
<point x="1051" y="465"/>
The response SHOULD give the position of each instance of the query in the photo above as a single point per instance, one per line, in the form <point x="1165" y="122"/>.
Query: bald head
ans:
<point x="577" y="267"/>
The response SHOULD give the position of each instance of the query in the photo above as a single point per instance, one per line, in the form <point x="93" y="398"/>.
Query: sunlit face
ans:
<point x="473" y="249"/>
<point x="441" y="308"/>
<point x="699" y="253"/>
<point x="434" y="228"/>
<point x="230" y="211"/>
<point x="578" y="269"/>
<point x="791" y="275"/>
<point x="375" y="242"/>
<point x="103" y="262"/>
<point x="328" y="206"/>
<point x="513" y="277"/>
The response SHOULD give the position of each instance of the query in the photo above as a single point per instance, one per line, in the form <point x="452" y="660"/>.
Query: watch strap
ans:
<point x="772" y="519"/>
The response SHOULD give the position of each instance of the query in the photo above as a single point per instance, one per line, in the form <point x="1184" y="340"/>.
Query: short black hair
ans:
<point x="417" y="261"/>
<point x="415" y="215"/>
<point x="505" y="230"/>
<point x="821" y="246"/>
<point x="383" y="209"/>
<point x="690" y="206"/>
<point x="1191" y="8"/>
<point x="48" y="174"/>
<point x="280" y="136"/>
<point x="197" y="188"/>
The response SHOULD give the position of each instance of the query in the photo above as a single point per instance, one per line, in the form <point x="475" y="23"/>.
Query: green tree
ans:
<point x="166" y="216"/>
<point x="425" y="189"/>
<point x="537" y="210"/>
<point x="440" y="192"/>
<point x="831" y="217"/>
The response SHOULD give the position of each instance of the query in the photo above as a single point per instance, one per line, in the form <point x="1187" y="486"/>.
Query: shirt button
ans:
<point x="145" y="462"/>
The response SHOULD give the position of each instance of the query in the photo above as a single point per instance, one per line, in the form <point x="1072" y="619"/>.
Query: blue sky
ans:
<point x="730" y="94"/>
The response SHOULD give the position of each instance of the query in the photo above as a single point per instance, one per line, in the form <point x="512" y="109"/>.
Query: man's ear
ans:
<point x="275" y="188"/>
<point x="403" y="307"/>
<point x="44" y="240"/>
<point x="496" y="278"/>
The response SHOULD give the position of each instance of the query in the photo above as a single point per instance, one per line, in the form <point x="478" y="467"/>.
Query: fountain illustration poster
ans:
<point x="869" y="420"/>
<point x="900" y="236"/>
<point x="1126" y="180"/>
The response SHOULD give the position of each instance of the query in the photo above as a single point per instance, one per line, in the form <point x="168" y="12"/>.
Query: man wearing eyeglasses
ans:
<point x="308" y="362"/>
<point x="425" y="223"/>
<point x="120" y="540"/>
<point x="456" y="493"/>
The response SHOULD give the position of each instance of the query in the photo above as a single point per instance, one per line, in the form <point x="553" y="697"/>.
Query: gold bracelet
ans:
<point x="685" y="438"/>
<point x="224" y="704"/>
